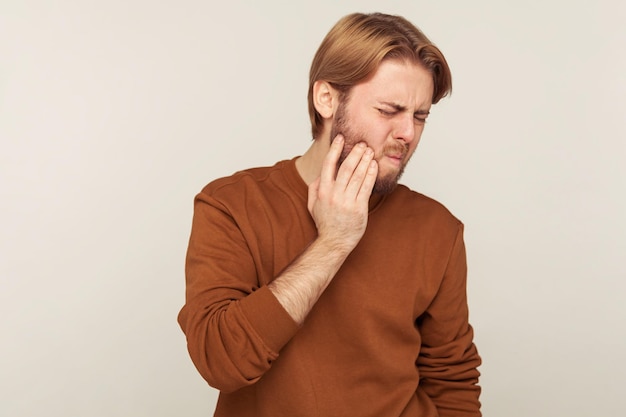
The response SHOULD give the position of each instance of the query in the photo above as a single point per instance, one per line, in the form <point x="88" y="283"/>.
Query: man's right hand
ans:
<point x="339" y="198"/>
<point x="338" y="203"/>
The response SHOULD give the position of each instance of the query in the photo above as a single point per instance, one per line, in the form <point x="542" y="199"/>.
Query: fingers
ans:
<point x="356" y="175"/>
<point x="368" y="183"/>
<point x="350" y="164"/>
<point x="329" y="166"/>
<point x="313" y="190"/>
<point x="359" y="158"/>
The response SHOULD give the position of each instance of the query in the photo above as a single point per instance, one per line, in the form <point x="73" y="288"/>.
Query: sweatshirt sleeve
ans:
<point x="448" y="360"/>
<point x="235" y="328"/>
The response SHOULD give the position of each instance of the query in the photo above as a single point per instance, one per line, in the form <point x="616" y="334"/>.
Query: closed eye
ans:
<point x="420" y="118"/>
<point x="387" y="112"/>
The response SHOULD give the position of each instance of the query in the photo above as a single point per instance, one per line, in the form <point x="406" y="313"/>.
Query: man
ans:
<point x="321" y="287"/>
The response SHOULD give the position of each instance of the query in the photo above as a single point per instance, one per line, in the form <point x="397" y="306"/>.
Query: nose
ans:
<point x="405" y="128"/>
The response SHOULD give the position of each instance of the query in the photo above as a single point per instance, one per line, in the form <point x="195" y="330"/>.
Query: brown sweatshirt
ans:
<point x="388" y="338"/>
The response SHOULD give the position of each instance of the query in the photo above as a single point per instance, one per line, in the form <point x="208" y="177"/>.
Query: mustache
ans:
<point x="396" y="148"/>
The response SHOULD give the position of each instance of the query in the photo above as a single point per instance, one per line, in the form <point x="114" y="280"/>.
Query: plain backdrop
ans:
<point x="113" y="115"/>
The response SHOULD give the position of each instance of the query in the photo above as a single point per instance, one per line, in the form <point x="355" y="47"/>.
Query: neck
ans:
<point x="309" y="165"/>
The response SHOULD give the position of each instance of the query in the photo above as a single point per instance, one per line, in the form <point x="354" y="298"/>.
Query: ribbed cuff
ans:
<point x="268" y="317"/>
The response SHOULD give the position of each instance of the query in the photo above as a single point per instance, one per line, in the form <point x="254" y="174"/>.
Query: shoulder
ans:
<point x="241" y="179"/>
<point x="246" y="183"/>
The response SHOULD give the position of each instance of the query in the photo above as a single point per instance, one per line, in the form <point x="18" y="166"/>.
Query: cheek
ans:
<point x="378" y="134"/>
<point x="418" y="135"/>
<point x="412" y="147"/>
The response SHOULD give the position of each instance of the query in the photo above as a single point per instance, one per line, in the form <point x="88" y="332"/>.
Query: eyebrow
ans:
<point x="401" y="108"/>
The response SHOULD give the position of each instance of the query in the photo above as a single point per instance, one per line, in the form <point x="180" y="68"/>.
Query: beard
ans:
<point x="384" y="184"/>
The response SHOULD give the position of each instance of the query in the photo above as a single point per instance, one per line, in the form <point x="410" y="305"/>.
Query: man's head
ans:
<point x="373" y="80"/>
<point x="356" y="46"/>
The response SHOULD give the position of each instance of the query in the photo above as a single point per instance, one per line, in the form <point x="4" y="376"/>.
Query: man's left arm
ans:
<point x="448" y="360"/>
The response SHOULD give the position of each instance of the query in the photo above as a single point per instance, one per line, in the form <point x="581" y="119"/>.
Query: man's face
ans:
<point x="388" y="112"/>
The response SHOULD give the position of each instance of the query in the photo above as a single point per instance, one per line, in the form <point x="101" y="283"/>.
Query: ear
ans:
<point x="325" y="99"/>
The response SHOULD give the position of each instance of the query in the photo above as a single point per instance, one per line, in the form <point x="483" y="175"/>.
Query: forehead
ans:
<point x="400" y="82"/>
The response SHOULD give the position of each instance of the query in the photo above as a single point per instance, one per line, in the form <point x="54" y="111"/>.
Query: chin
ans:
<point x="385" y="185"/>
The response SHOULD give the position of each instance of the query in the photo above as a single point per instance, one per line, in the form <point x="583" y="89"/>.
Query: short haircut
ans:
<point x="358" y="43"/>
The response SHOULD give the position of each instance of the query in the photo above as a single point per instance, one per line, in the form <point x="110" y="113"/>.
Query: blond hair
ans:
<point x="357" y="44"/>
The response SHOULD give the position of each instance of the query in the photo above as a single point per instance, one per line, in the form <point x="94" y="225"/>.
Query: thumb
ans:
<point x="313" y="189"/>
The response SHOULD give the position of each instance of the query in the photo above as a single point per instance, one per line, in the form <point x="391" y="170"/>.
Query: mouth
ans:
<point x="396" y="158"/>
<point x="396" y="152"/>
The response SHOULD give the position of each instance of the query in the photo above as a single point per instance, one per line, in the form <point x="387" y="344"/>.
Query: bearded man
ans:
<point x="320" y="286"/>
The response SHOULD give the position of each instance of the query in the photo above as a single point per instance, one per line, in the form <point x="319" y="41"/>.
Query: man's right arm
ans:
<point x="230" y="339"/>
<point x="338" y="203"/>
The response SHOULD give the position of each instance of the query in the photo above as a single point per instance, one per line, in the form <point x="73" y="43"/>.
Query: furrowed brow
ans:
<point x="401" y="108"/>
<point x="394" y="106"/>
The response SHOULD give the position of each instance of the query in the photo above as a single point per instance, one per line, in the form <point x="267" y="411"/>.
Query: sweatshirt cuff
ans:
<point x="269" y="319"/>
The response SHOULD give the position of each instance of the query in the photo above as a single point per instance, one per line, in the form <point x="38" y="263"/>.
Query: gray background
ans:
<point x="114" y="114"/>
